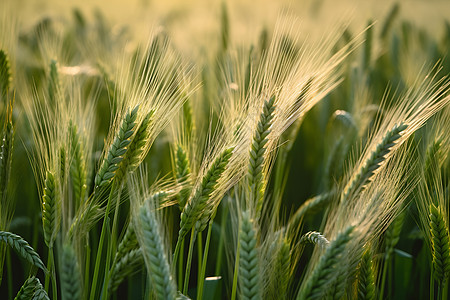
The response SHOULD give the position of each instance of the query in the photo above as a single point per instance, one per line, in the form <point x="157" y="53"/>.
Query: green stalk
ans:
<point x="49" y="268"/>
<point x="189" y="261"/>
<point x="180" y="266"/>
<point x="9" y="272"/>
<point x="101" y="242"/>
<point x="199" y="254"/>
<point x="236" y="270"/>
<point x="221" y="240"/>
<point x="112" y="245"/>
<point x="201" y="276"/>
<point x="87" y="265"/>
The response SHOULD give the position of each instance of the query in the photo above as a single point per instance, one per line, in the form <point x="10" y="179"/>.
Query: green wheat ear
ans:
<point x="133" y="156"/>
<point x="78" y="165"/>
<point x="54" y="83"/>
<point x="196" y="206"/>
<point x="248" y="260"/>
<point x="23" y="248"/>
<point x="155" y="256"/>
<point x="124" y="267"/>
<point x="366" y="277"/>
<point x="50" y="209"/>
<point x="6" y="153"/>
<point x="440" y="242"/>
<point x="5" y="75"/>
<point x="316" y="285"/>
<point x="27" y="290"/>
<point x="182" y="173"/>
<point x="117" y="150"/>
<point x="70" y="275"/>
<point x="256" y="176"/>
<point x="376" y="158"/>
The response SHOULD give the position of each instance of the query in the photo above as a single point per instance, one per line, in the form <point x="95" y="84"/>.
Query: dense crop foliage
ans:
<point x="289" y="168"/>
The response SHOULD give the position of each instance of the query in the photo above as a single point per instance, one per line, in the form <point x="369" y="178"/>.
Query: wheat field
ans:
<point x="224" y="149"/>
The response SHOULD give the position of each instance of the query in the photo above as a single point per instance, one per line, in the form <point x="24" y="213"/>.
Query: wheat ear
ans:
<point x="248" y="260"/>
<point x="50" y="209"/>
<point x="155" y="256"/>
<point x="197" y="204"/>
<point x="23" y="248"/>
<point x="40" y="293"/>
<point x="124" y="267"/>
<point x="256" y="176"/>
<point x="26" y="292"/>
<point x="281" y="272"/>
<point x="182" y="173"/>
<point x="78" y="165"/>
<point x="365" y="173"/>
<point x="316" y="285"/>
<point x="54" y="84"/>
<point x="366" y="278"/>
<point x="440" y="242"/>
<point x="5" y="75"/>
<point x="6" y="153"/>
<point x="132" y="158"/>
<point x="315" y="238"/>
<point x="117" y="150"/>
<point x="71" y="288"/>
